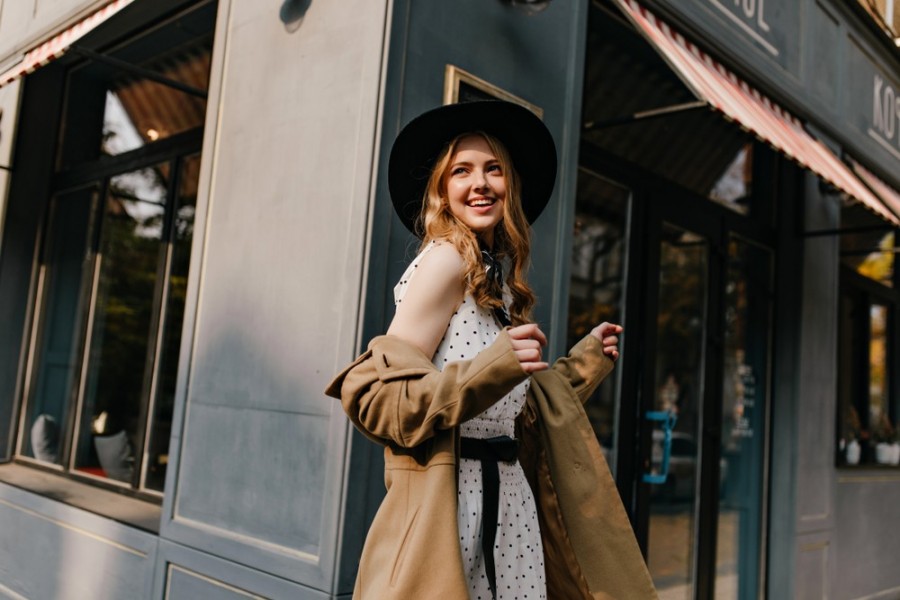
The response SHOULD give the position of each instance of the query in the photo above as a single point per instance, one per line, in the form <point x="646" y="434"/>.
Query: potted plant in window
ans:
<point x="852" y="434"/>
<point x="885" y="438"/>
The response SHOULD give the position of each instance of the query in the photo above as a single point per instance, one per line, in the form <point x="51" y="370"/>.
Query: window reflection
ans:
<point x="680" y="326"/>
<point x="748" y="293"/>
<point x="178" y="259"/>
<point x="733" y="187"/>
<point x="119" y="357"/>
<point x="879" y="414"/>
<point x="596" y="287"/>
<point x="141" y="111"/>
<point x="866" y="413"/>
<point x="65" y="273"/>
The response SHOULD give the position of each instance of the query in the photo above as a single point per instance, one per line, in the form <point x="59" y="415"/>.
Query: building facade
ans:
<point x="197" y="235"/>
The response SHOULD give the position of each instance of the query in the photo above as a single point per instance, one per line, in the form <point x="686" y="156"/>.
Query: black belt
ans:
<point x="490" y="451"/>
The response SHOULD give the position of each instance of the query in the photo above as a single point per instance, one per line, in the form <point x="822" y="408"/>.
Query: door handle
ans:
<point x="668" y="419"/>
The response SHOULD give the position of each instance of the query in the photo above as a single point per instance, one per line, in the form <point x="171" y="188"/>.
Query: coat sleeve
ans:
<point x="394" y="393"/>
<point x="585" y="367"/>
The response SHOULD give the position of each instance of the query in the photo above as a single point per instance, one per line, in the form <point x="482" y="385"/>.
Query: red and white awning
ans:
<point x="752" y="111"/>
<point x="889" y="195"/>
<point x="57" y="45"/>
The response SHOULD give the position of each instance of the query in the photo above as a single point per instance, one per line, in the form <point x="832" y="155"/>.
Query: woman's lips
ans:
<point x="481" y="202"/>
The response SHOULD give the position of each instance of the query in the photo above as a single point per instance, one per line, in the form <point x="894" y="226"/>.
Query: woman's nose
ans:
<point x="480" y="180"/>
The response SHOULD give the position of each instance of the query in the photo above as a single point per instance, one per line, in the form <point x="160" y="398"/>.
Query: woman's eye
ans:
<point x="494" y="169"/>
<point x="457" y="171"/>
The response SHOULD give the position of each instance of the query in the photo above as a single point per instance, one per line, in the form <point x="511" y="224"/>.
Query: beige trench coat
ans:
<point x="399" y="399"/>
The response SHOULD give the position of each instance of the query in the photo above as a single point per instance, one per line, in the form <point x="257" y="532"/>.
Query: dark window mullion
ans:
<point x="146" y="156"/>
<point x="157" y="327"/>
<point x="69" y="445"/>
<point x="710" y="424"/>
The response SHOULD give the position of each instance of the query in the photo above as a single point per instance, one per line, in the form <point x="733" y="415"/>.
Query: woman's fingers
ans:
<point x="533" y="367"/>
<point x="607" y="333"/>
<point x="528" y="355"/>
<point x="528" y="331"/>
<point x="605" y="329"/>
<point x="527" y="344"/>
<point x="527" y="341"/>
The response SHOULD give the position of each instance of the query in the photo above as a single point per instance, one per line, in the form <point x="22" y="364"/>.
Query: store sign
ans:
<point x="773" y="26"/>
<point x="885" y="114"/>
<point x="750" y="16"/>
<point x="873" y="102"/>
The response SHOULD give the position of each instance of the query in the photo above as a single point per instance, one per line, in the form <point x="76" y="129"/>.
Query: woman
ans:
<point x="448" y="392"/>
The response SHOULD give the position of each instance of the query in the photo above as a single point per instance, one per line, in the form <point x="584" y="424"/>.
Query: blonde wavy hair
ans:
<point x="512" y="235"/>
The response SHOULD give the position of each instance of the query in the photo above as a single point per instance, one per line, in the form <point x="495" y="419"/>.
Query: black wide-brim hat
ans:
<point x="419" y="144"/>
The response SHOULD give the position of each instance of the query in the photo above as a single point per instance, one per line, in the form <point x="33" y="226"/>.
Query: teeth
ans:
<point x="485" y="202"/>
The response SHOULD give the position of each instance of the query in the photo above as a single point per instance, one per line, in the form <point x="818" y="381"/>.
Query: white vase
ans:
<point x="883" y="453"/>
<point x="895" y="453"/>
<point x="853" y="452"/>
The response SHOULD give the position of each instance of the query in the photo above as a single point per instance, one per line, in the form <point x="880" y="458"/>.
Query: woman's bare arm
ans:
<point x="433" y="295"/>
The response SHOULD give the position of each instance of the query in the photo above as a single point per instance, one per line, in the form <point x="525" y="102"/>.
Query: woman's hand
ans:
<point x="527" y="341"/>
<point x="608" y="334"/>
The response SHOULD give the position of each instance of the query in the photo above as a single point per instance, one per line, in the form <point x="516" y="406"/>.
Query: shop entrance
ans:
<point x="701" y="422"/>
<point x="684" y="424"/>
<point x="674" y="237"/>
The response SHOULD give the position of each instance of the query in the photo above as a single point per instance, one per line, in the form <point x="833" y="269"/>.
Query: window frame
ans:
<point x="176" y="151"/>
<point x="863" y="293"/>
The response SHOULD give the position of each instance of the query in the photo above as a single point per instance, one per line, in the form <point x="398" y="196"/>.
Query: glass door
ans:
<point x="683" y="422"/>
<point x="674" y="418"/>
<point x="702" y="423"/>
<point x="742" y="456"/>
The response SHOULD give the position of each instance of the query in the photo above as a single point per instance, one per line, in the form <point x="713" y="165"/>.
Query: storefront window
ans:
<point x="113" y="262"/>
<point x="597" y="284"/>
<point x="139" y="111"/>
<point x="867" y="405"/>
<point x="870" y="255"/>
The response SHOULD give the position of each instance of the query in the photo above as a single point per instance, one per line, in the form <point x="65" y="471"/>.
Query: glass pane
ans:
<point x="65" y="274"/>
<point x="679" y="389"/>
<point x="870" y="254"/>
<point x="140" y="111"/>
<point x="157" y="454"/>
<point x="879" y="414"/>
<point x="123" y="324"/>
<point x="741" y="466"/>
<point x="596" y="291"/>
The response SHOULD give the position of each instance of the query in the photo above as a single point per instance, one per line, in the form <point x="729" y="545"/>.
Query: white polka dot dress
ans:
<point x="518" y="554"/>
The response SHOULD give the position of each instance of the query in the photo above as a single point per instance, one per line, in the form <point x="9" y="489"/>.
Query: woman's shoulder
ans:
<point x="438" y="266"/>
<point x="443" y="256"/>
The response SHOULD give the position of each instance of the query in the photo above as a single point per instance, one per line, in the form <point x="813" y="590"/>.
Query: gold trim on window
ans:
<point x="454" y="76"/>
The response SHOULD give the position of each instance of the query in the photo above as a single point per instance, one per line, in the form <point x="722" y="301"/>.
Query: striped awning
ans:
<point x="56" y="46"/>
<point x="887" y="193"/>
<point x="752" y="111"/>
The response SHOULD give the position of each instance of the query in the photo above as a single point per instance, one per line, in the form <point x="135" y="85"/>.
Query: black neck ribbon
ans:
<point x="494" y="270"/>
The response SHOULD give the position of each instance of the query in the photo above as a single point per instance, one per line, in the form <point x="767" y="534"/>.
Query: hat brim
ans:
<point x="419" y="144"/>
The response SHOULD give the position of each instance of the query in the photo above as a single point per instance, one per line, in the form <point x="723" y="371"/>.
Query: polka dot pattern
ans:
<point x="518" y="553"/>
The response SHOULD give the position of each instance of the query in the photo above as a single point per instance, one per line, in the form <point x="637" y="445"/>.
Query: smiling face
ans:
<point x="476" y="186"/>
